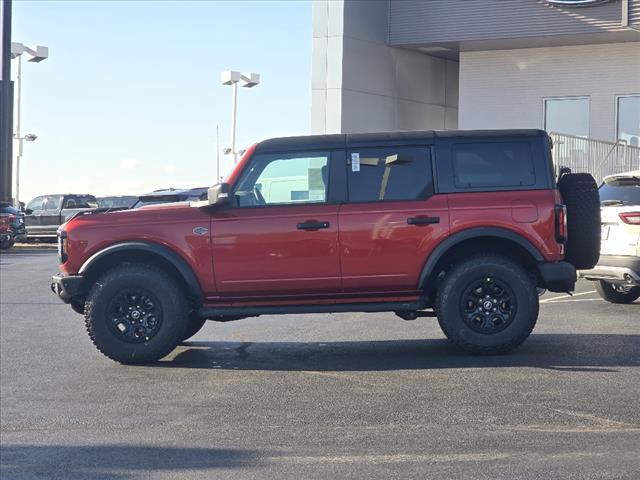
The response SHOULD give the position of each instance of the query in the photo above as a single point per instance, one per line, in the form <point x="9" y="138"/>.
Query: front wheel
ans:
<point x="6" y="244"/>
<point x="194" y="325"/>
<point x="615" y="293"/>
<point x="136" y="313"/>
<point x="487" y="304"/>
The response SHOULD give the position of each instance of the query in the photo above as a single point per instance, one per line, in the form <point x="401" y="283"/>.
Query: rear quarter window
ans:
<point x="492" y="164"/>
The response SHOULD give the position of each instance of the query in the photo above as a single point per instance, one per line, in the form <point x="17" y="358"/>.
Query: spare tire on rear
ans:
<point x="580" y="195"/>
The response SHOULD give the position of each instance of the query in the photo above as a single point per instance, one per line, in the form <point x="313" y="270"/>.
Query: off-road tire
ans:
<point x="78" y="306"/>
<point x="580" y="195"/>
<point x="194" y="325"/>
<point x="171" y="300"/>
<point x="6" y="244"/>
<point x="450" y="297"/>
<point x="608" y="293"/>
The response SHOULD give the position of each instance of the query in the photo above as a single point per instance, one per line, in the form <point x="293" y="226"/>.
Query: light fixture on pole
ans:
<point x="248" y="80"/>
<point x="29" y="137"/>
<point x="36" y="54"/>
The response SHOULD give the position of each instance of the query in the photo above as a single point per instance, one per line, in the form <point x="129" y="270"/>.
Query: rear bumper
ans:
<point x="558" y="276"/>
<point x="66" y="287"/>
<point x="623" y="269"/>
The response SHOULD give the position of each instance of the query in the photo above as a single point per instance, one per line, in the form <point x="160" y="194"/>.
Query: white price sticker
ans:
<point x="355" y="162"/>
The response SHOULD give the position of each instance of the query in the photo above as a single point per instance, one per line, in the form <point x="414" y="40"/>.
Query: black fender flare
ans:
<point x="182" y="267"/>
<point x="451" y="241"/>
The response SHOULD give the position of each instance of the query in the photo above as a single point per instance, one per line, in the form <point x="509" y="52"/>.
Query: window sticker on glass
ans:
<point x="355" y="162"/>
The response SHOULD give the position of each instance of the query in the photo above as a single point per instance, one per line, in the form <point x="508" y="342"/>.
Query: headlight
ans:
<point x="62" y="246"/>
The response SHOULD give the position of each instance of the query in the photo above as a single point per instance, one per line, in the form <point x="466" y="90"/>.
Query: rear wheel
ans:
<point x="136" y="313"/>
<point x="487" y="304"/>
<point x="616" y="293"/>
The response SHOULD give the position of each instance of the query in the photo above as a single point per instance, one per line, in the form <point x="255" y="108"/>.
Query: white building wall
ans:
<point x="506" y="88"/>
<point x="359" y="84"/>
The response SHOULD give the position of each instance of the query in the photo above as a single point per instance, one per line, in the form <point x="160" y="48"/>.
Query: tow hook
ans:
<point x="413" y="314"/>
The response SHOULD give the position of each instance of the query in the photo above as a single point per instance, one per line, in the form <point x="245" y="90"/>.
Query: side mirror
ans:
<point x="28" y="211"/>
<point x="219" y="194"/>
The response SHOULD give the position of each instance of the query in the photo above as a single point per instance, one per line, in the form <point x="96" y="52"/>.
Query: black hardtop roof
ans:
<point x="348" y="140"/>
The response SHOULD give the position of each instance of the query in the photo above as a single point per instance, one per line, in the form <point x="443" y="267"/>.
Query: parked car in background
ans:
<point x="46" y="213"/>
<point x="171" y="195"/>
<point x="12" y="225"/>
<point x="123" y="201"/>
<point x="617" y="273"/>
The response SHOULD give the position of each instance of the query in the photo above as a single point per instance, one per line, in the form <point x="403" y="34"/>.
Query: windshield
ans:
<point x="620" y="194"/>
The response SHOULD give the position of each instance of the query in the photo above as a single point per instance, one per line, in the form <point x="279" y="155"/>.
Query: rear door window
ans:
<point x="492" y="164"/>
<point x="394" y="173"/>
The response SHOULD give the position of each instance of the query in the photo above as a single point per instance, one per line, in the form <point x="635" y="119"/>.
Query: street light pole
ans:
<point x="232" y="78"/>
<point x="234" y="109"/>
<point x="36" y="54"/>
<point x="17" y="129"/>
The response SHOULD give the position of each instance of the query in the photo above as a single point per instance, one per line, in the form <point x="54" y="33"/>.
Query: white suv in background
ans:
<point x="617" y="273"/>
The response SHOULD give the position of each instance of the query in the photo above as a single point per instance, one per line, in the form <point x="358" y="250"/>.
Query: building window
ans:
<point x="628" y="119"/>
<point x="568" y="115"/>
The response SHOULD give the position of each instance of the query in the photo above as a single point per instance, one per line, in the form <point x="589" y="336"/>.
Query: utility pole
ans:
<point x="6" y="105"/>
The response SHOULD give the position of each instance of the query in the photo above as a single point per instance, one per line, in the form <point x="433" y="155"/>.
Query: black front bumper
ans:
<point x="558" y="276"/>
<point x="67" y="287"/>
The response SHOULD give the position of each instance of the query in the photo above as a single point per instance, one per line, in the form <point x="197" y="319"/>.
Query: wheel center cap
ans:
<point x="135" y="314"/>
<point x="488" y="305"/>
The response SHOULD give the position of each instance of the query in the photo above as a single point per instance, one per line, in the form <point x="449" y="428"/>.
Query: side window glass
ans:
<point x="70" y="203"/>
<point x="36" y="204"/>
<point x="376" y="174"/>
<point x="80" y="201"/>
<point x="499" y="164"/>
<point x="53" y="203"/>
<point x="280" y="179"/>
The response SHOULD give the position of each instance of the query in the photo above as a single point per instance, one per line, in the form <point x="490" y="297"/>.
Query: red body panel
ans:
<point x="380" y="251"/>
<point x="528" y="213"/>
<point x="260" y="251"/>
<point x="169" y="225"/>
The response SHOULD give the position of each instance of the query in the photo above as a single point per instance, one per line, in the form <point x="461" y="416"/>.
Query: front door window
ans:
<point x="280" y="179"/>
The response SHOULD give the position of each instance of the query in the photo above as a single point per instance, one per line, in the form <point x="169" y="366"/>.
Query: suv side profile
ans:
<point x="460" y="225"/>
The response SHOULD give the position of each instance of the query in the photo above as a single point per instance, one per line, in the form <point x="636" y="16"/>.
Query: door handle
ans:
<point x="312" y="225"/>
<point x="423" y="220"/>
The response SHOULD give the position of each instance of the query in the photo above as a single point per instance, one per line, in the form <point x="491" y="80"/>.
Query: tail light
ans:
<point x="561" y="223"/>
<point x="632" y="218"/>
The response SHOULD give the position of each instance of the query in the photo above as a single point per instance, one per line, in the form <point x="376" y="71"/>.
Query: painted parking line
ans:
<point x="570" y="300"/>
<point x="547" y="300"/>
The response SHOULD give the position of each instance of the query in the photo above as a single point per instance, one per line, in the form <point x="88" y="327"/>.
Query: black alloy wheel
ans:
<point x="488" y="305"/>
<point x="135" y="315"/>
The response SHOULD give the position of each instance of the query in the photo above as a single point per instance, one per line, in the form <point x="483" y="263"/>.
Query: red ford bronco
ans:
<point x="460" y="225"/>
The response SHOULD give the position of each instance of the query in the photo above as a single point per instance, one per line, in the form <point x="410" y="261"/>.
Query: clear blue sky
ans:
<point x="130" y="96"/>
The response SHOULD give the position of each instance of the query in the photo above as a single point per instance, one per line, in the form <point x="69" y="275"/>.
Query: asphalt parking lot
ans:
<point x="317" y="396"/>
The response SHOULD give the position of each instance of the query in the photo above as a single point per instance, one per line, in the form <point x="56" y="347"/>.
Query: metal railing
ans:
<point x="597" y="157"/>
